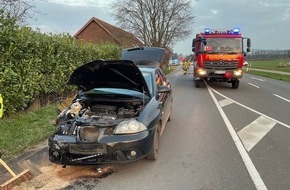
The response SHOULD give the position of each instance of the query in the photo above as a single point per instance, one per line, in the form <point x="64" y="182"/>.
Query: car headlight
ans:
<point x="129" y="126"/>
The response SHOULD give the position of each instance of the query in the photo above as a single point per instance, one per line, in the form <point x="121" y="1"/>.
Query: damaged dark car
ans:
<point x="118" y="115"/>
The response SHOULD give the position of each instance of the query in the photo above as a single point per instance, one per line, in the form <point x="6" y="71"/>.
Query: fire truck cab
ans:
<point x="219" y="56"/>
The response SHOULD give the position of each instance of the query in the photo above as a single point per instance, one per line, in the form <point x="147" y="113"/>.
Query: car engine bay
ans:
<point x="90" y="115"/>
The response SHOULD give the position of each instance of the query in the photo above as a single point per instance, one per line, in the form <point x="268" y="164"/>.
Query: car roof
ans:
<point x="144" y="55"/>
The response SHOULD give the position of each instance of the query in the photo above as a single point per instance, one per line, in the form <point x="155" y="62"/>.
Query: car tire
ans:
<point x="153" y="155"/>
<point x="197" y="83"/>
<point x="235" y="84"/>
<point x="169" y="118"/>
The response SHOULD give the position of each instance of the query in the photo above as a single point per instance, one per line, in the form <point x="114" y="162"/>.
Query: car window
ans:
<point x="160" y="79"/>
<point x="148" y="78"/>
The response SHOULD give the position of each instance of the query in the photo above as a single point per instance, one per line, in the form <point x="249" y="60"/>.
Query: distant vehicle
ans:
<point x="119" y="113"/>
<point x="175" y="62"/>
<point x="219" y="56"/>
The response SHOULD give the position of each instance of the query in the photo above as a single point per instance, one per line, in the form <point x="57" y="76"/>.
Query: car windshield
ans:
<point x="115" y="92"/>
<point x="217" y="45"/>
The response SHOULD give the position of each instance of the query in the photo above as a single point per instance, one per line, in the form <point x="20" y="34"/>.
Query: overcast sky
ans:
<point x="266" y="22"/>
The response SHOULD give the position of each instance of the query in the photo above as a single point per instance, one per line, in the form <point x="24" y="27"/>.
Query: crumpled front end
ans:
<point x="93" y="133"/>
<point x="69" y="150"/>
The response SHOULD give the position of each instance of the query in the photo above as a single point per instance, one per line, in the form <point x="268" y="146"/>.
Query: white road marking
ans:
<point x="253" y="85"/>
<point x="255" y="131"/>
<point x="246" y="158"/>
<point x="225" y="102"/>
<point x="282" y="98"/>
<point x="259" y="113"/>
<point x="258" y="79"/>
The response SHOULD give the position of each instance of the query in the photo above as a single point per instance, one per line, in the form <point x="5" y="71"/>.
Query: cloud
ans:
<point x="286" y="14"/>
<point x="64" y="16"/>
<point x="214" y="11"/>
<point x="82" y="3"/>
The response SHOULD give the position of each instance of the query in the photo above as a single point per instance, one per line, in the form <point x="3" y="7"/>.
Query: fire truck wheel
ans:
<point x="235" y="84"/>
<point x="197" y="83"/>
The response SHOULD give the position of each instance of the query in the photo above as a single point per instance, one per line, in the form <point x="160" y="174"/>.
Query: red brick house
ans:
<point x="98" y="31"/>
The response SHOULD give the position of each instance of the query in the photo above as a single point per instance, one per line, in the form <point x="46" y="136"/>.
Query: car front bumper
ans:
<point x="69" y="150"/>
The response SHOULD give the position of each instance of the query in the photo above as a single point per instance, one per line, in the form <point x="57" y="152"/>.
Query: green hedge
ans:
<point x="35" y="65"/>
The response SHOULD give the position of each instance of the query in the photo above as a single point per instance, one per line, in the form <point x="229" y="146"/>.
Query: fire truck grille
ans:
<point x="221" y="65"/>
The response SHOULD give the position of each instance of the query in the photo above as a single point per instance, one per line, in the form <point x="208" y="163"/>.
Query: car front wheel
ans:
<point x="197" y="83"/>
<point x="235" y="84"/>
<point x="169" y="118"/>
<point x="153" y="155"/>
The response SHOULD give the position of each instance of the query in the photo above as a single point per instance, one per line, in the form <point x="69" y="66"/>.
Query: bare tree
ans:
<point x="20" y="10"/>
<point x="159" y="23"/>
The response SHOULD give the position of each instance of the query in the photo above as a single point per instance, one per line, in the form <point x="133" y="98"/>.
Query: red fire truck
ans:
<point x="219" y="56"/>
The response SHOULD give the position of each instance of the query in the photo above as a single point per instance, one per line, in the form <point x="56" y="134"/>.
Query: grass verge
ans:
<point x="271" y="65"/>
<point x="270" y="75"/>
<point x="276" y="64"/>
<point x="169" y="69"/>
<point x="25" y="129"/>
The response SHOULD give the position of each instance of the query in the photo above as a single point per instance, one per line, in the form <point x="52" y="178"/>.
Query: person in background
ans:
<point x="185" y="66"/>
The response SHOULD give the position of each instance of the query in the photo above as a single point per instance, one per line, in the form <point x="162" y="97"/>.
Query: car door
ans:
<point x="163" y="98"/>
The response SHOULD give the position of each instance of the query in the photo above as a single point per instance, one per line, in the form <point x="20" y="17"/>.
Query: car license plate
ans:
<point x="87" y="149"/>
<point x="219" y="72"/>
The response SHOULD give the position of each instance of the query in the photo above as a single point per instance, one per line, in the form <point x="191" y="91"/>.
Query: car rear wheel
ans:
<point x="155" y="147"/>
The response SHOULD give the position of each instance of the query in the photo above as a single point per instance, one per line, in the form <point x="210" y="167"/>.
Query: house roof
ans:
<point x="119" y="36"/>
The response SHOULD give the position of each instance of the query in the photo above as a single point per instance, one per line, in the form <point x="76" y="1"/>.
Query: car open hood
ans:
<point x="109" y="74"/>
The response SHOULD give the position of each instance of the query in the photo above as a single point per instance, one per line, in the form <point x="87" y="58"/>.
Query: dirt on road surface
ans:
<point x="71" y="177"/>
<point x="49" y="176"/>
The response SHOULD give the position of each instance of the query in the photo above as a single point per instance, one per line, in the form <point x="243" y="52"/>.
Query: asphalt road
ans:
<point x="219" y="138"/>
<point x="259" y="114"/>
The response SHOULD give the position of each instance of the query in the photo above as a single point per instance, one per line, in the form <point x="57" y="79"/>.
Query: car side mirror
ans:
<point x="193" y="45"/>
<point x="204" y="41"/>
<point x="164" y="89"/>
<point x="248" y="42"/>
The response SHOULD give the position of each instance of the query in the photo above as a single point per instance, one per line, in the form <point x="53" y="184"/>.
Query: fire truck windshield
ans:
<point x="223" y="45"/>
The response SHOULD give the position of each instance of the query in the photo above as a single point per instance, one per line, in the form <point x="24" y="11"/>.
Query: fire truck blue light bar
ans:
<point x="236" y="30"/>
